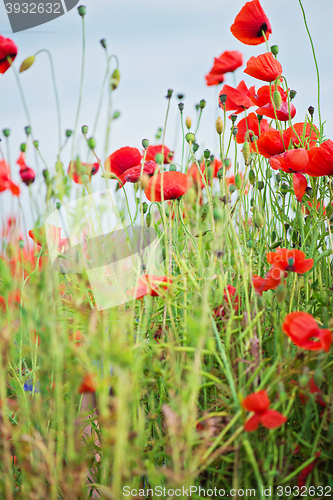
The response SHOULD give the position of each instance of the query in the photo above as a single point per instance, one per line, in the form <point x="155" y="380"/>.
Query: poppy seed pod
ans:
<point x="311" y="110"/>
<point x="246" y="152"/>
<point x="277" y="99"/>
<point x="232" y="188"/>
<point x="103" y="43"/>
<point x="260" y="185"/>
<point x="159" y="158"/>
<point x="36" y="144"/>
<point x="23" y="147"/>
<point x="234" y="131"/>
<point x="292" y="94"/>
<point x="6" y="132"/>
<point x="181" y="106"/>
<point x="250" y="243"/>
<point x="91" y="143"/>
<point x="223" y="98"/>
<point x="82" y="9"/>
<point x="259" y="221"/>
<point x="27" y="129"/>
<point x="169" y="93"/>
<point x="206" y="154"/>
<point x="145" y="143"/>
<point x="219" y="125"/>
<point x="220" y="173"/>
<point x="233" y="118"/>
<point x="252" y="177"/>
<point x="238" y="181"/>
<point x="69" y="132"/>
<point x="275" y="50"/>
<point x="195" y="147"/>
<point x="227" y="163"/>
<point x="172" y="168"/>
<point x="115" y="78"/>
<point x="190" y="137"/>
<point x="180" y="96"/>
<point x="27" y="63"/>
<point x="84" y="129"/>
<point x="202" y="104"/>
<point x="188" y="122"/>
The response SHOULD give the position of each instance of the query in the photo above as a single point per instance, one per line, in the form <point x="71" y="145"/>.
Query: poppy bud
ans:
<point x="190" y="137"/>
<point x="309" y="191"/>
<point x="27" y="63"/>
<point x="217" y="214"/>
<point x="144" y="207"/>
<point x="103" y="43"/>
<point x="223" y="98"/>
<point x="284" y="189"/>
<point x="275" y="50"/>
<point x="227" y="163"/>
<point x="311" y="110"/>
<point x="259" y="221"/>
<point x="114" y="80"/>
<point x="292" y="94"/>
<point x="27" y="129"/>
<point x="195" y="147"/>
<point x="287" y="226"/>
<point x="232" y="188"/>
<point x="69" y="132"/>
<point x="91" y="143"/>
<point x="212" y="157"/>
<point x="204" y="212"/>
<point x="148" y="219"/>
<point x="233" y="118"/>
<point x="260" y="185"/>
<point x="219" y="125"/>
<point x="269" y="173"/>
<point x="6" y="132"/>
<point x="252" y="177"/>
<point x="159" y="158"/>
<point x="252" y="202"/>
<point x="84" y="129"/>
<point x="234" y="131"/>
<point x="172" y="168"/>
<point x="145" y="143"/>
<point x="188" y="122"/>
<point x="169" y="93"/>
<point x="202" y="104"/>
<point x="281" y="293"/>
<point x="181" y="106"/>
<point x="220" y="173"/>
<point x="58" y="205"/>
<point x="273" y="235"/>
<point x="238" y="181"/>
<point x="82" y="10"/>
<point x="246" y="152"/>
<point x="278" y="178"/>
<point x="36" y="144"/>
<point x="23" y="147"/>
<point x="250" y="243"/>
<point x="206" y="154"/>
<point x="21" y="243"/>
<point x="277" y="99"/>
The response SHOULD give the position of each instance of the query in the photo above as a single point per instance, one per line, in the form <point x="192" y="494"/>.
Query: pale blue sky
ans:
<point x="160" y="45"/>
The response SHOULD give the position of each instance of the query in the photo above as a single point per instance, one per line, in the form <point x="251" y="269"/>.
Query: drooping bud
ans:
<point x="69" y="132"/>
<point x="206" y="154"/>
<point x="116" y="115"/>
<point x="172" y="168"/>
<point x="115" y="78"/>
<point x="27" y="129"/>
<point x="23" y="147"/>
<point x="181" y="106"/>
<point x="103" y="43"/>
<point x="6" y="132"/>
<point x="202" y="104"/>
<point x="36" y="144"/>
<point x="246" y="152"/>
<point x="277" y="99"/>
<point x="219" y="125"/>
<point x="292" y="94"/>
<point x="223" y="98"/>
<point x="197" y="107"/>
<point x="27" y="63"/>
<point x="148" y="219"/>
<point x="188" y="122"/>
<point x="144" y="207"/>
<point x="233" y="118"/>
<point x="145" y="143"/>
<point x="311" y="110"/>
<point x="84" y="129"/>
<point x="169" y="93"/>
<point x="190" y="137"/>
<point x="195" y="147"/>
<point x="259" y="221"/>
<point x="275" y="50"/>
<point x="252" y="177"/>
<point x="91" y="143"/>
<point x="82" y="10"/>
<point x="238" y="181"/>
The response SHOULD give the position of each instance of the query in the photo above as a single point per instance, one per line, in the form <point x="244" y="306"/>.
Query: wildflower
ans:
<point x="258" y="402"/>
<point x="229" y="297"/>
<point x="270" y="282"/>
<point x="294" y="160"/>
<point x="7" y="49"/>
<point x="301" y="481"/>
<point x="5" y="180"/>
<point x="269" y="144"/>
<point x="175" y="184"/>
<point x="307" y="133"/>
<point x="238" y="98"/>
<point x="26" y="173"/>
<point x="228" y="62"/>
<point x="38" y="235"/>
<point x="321" y="160"/>
<point x="248" y="127"/>
<point x="250" y="24"/>
<point x="263" y="67"/>
<point x="312" y="388"/>
<point x="88" y="384"/>
<point x="76" y="170"/>
<point x="133" y="174"/>
<point x="300" y="184"/>
<point x="263" y="98"/>
<point x="149" y="284"/>
<point x="152" y="151"/>
<point x="289" y="260"/>
<point x="303" y="331"/>
<point x="122" y="159"/>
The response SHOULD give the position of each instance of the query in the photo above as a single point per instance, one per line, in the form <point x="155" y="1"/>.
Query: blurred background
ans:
<point x="160" y="45"/>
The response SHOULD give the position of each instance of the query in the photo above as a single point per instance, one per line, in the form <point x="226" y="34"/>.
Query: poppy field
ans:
<point x="166" y="319"/>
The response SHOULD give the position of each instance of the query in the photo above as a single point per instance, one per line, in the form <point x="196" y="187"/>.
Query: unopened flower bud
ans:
<point x="21" y="243"/>
<point x="23" y="147"/>
<point x="91" y="143"/>
<point x="172" y="168"/>
<point x="103" y="43"/>
<point x="6" y="132"/>
<point x="145" y="143"/>
<point x="144" y="207"/>
<point x="250" y="243"/>
<point x="252" y="177"/>
<point x="278" y="178"/>
<point x="220" y="173"/>
<point x="116" y="115"/>
<point x="259" y="221"/>
<point x="222" y="98"/>
<point x="84" y="129"/>
<point x="115" y="78"/>
<point x="58" y="205"/>
<point x="188" y="122"/>
<point x="169" y="93"/>
<point x="69" y="132"/>
<point x="190" y="137"/>
<point x="36" y="144"/>
<point x="275" y="50"/>
<point x="148" y="219"/>
<point x="195" y="147"/>
<point x="292" y="94"/>
<point x="246" y="152"/>
<point x="277" y="99"/>
<point x="311" y="110"/>
<point x="238" y="181"/>
<point x="84" y="179"/>
<point x="206" y="154"/>
<point x="27" y="129"/>
<point x="181" y="106"/>
<point x="27" y="63"/>
<point x="82" y="10"/>
<point x="219" y="125"/>
<point x="208" y="162"/>
<point x="260" y="185"/>
<point x="284" y="189"/>
<point x="159" y="158"/>
<point x="232" y="188"/>
<point x="202" y="104"/>
<point x="233" y="118"/>
<point x="227" y="163"/>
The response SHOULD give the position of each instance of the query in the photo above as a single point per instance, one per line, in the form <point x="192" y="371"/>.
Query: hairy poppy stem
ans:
<point x="81" y="89"/>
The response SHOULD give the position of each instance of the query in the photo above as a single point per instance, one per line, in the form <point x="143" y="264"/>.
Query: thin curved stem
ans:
<point x="81" y="88"/>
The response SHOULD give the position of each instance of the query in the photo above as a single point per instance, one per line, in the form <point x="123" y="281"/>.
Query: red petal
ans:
<point x="257" y="401"/>
<point x="272" y="419"/>
<point x="175" y="184"/>
<point x="253" y="423"/>
<point x="300" y="184"/>
<point x="264" y="67"/>
<point x="249" y="23"/>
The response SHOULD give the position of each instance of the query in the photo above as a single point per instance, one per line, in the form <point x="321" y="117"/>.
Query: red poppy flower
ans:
<point x="13" y="298"/>
<point x="269" y="144"/>
<point x="312" y="389"/>
<point x="175" y="184"/>
<point x="149" y="284"/>
<point x="258" y="402"/>
<point x="7" y="49"/>
<point x="77" y="169"/>
<point x="289" y="260"/>
<point x="5" y="180"/>
<point x="301" y="481"/>
<point x="88" y="384"/>
<point x="238" y="98"/>
<point x="26" y="173"/>
<point x="250" y="23"/>
<point x="250" y="124"/>
<point x="300" y="184"/>
<point x="38" y="235"/>
<point x="270" y="282"/>
<point x="294" y="160"/>
<point x="321" y="160"/>
<point x="263" y="99"/>
<point x="307" y="133"/>
<point x="303" y="331"/>
<point x="133" y="174"/>
<point x="228" y="62"/>
<point x="152" y="151"/>
<point x="263" y="67"/>
<point x="229" y="297"/>
<point x="122" y="159"/>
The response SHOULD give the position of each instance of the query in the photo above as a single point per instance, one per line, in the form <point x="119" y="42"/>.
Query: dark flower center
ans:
<point x="263" y="28"/>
